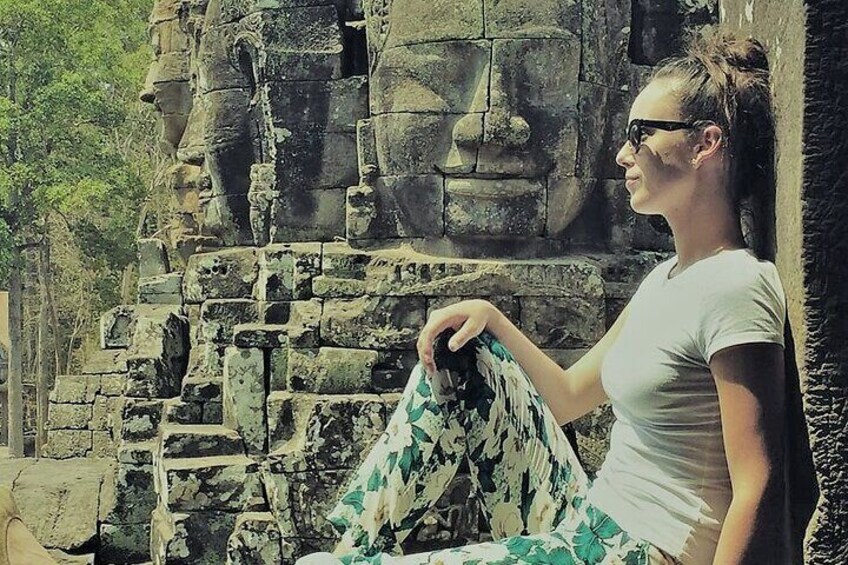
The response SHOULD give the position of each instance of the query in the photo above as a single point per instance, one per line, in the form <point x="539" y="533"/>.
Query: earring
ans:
<point x="694" y="162"/>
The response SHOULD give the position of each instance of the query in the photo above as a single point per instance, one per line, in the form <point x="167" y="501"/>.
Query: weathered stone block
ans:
<point x="399" y="206"/>
<point x="213" y="413"/>
<point x="274" y="312"/>
<point x="199" y="441"/>
<point x="180" y="412"/>
<point x="509" y="207"/>
<point x="283" y="408"/>
<point x="300" y="501"/>
<point x="157" y="358"/>
<point x="167" y="37"/>
<point x="565" y="358"/>
<point x="103" y="445"/>
<point x="544" y="19"/>
<point x="244" y="396"/>
<point x="286" y="271"/>
<point x="331" y="106"/>
<point x="566" y="196"/>
<point x="278" y="367"/>
<point x="337" y="433"/>
<point x="309" y="215"/>
<point x="206" y="360"/>
<point x="256" y="538"/>
<point x="372" y="322"/>
<point x="604" y="39"/>
<point x="104" y="361"/>
<point x="117" y="327"/>
<point x="219" y="317"/>
<point x="124" y="543"/>
<point x="152" y="258"/>
<point x="658" y="26"/>
<point x="445" y="20"/>
<point x="63" y="444"/>
<point x="392" y="370"/>
<point x="112" y="384"/>
<point x="69" y="416"/>
<point x="137" y="453"/>
<point x="221" y="274"/>
<point x="260" y="336"/>
<point x="563" y="322"/>
<point x="302" y="43"/>
<point x="331" y="370"/>
<point x="190" y="538"/>
<point x="622" y="219"/>
<point x="229" y="483"/>
<point x="415" y="274"/>
<point x="412" y="144"/>
<point x="218" y="69"/>
<point x="202" y="389"/>
<point x="140" y="419"/>
<point x="58" y="501"/>
<point x="227" y="217"/>
<point x="135" y="495"/>
<point x="425" y="78"/>
<point x="150" y="378"/>
<point x="75" y="389"/>
<point x="304" y="321"/>
<point x="161" y="289"/>
<point x="106" y="412"/>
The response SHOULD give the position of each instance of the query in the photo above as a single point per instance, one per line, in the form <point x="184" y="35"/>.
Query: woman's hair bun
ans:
<point x="744" y="54"/>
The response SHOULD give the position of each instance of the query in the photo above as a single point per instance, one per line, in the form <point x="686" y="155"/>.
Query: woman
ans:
<point x="693" y="368"/>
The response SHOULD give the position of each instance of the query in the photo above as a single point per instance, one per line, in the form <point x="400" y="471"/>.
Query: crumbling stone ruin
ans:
<point x="340" y="169"/>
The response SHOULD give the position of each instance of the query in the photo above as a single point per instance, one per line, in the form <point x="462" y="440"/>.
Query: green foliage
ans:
<point x="74" y="139"/>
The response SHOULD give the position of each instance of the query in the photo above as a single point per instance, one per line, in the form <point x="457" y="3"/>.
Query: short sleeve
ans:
<point x="746" y="309"/>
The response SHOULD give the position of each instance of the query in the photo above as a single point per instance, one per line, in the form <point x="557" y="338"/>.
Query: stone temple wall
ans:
<point x="808" y="57"/>
<point x="339" y="170"/>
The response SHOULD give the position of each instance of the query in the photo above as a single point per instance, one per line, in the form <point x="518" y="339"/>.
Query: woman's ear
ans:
<point x="710" y="143"/>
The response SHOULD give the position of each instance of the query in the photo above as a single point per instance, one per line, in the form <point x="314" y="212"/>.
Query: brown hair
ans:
<point x="725" y="80"/>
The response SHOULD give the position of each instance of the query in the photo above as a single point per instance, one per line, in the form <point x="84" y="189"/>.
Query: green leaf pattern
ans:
<point x="520" y="461"/>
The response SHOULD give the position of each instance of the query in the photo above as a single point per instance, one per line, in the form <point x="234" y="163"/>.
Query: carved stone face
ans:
<point x="474" y="107"/>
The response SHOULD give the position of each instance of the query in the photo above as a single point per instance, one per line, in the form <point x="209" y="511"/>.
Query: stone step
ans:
<point x="136" y="453"/>
<point x="179" y="441"/>
<point x="192" y="538"/>
<point x="202" y="389"/>
<point x="228" y="483"/>
<point x="179" y="412"/>
<point x="263" y="336"/>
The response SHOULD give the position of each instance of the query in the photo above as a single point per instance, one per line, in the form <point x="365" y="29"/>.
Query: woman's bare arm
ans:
<point x="570" y="393"/>
<point x="750" y="383"/>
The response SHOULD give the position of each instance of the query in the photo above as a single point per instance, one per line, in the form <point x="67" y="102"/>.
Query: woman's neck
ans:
<point x="703" y="235"/>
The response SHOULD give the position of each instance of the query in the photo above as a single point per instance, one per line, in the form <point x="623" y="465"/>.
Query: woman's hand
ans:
<point x="469" y="318"/>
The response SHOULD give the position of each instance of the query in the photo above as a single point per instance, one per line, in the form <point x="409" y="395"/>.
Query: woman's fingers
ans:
<point x="431" y="330"/>
<point x="471" y="328"/>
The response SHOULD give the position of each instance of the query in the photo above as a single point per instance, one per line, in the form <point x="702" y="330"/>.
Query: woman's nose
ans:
<point x="624" y="157"/>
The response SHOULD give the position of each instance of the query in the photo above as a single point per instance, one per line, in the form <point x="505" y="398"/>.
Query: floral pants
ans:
<point x="532" y="486"/>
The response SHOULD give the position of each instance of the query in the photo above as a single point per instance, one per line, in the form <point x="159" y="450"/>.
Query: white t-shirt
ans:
<point x="665" y="477"/>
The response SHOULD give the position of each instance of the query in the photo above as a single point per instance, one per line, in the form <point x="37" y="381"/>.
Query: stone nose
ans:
<point x="502" y="123"/>
<point x="501" y="127"/>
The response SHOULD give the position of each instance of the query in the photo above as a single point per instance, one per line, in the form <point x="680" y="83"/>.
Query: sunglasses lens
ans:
<point x="634" y="136"/>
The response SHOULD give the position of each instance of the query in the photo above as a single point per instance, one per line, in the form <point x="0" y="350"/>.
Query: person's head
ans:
<point x="722" y="155"/>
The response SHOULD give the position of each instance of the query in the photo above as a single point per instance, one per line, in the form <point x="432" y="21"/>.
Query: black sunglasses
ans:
<point x="634" y="129"/>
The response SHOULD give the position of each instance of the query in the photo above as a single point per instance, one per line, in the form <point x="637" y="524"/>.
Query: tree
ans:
<point x="69" y="73"/>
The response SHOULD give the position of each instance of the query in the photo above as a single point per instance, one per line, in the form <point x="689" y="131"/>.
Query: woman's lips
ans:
<point x="629" y="183"/>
